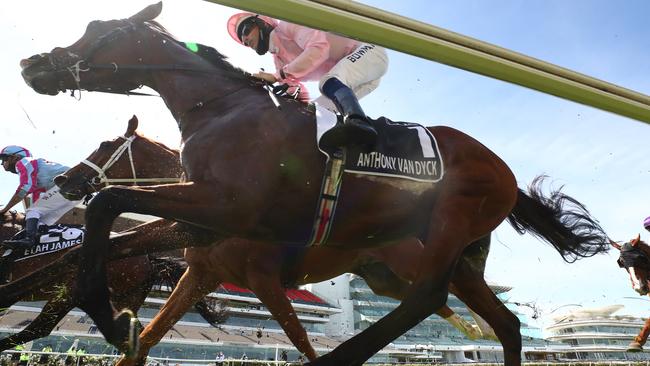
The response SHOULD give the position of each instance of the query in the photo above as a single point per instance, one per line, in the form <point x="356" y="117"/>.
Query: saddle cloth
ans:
<point x="52" y="239"/>
<point x="403" y="150"/>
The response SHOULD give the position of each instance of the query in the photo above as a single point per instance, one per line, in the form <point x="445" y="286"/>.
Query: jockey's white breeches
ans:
<point x="50" y="207"/>
<point x="361" y="71"/>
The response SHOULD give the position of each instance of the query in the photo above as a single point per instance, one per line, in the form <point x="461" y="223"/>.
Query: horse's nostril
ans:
<point x="59" y="180"/>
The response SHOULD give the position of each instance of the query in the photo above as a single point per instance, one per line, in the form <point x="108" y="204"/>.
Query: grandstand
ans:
<point x="249" y="328"/>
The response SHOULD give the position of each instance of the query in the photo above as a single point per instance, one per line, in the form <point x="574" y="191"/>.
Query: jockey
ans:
<point x="345" y="68"/>
<point x="646" y="223"/>
<point x="37" y="179"/>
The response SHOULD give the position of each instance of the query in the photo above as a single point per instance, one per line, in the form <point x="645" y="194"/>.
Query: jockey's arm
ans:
<point x="316" y="50"/>
<point x="17" y="197"/>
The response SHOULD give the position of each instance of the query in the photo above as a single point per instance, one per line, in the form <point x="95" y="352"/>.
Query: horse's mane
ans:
<point x="644" y="247"/>
<point x="207" y="53"/>
<point x="162" y="146"/>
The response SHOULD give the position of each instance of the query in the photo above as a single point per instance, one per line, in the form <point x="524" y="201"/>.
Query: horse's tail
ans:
<point x="571" y="230"/>
<point x="169" y="271"/>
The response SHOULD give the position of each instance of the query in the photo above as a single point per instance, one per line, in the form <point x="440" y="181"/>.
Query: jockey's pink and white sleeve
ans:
<point x="315" y="47"/>
<point x="27" y="170"/>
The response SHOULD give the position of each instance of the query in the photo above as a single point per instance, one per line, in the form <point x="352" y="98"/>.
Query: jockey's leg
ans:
<point x="356" y="129"/>
<point x="30" y="235"/>
<point x="350" y="79"/>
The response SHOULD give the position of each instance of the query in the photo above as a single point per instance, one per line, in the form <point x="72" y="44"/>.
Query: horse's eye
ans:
<point x="105" y="145"/>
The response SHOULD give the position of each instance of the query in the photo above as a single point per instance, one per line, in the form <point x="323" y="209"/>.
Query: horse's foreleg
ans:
<point x="53" y="311"/>
<point x="185" y="202"/>
<point x="269" y="290"/>
<point x="641" y="338"/>
<point x="193" y="285"/>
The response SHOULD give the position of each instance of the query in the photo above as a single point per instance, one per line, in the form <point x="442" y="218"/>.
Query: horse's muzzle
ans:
<point x="39" y="74"/>
<point x="68" y="189"/>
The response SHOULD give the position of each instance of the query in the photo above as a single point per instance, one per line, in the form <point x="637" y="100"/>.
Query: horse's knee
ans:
<point x="107" y="201"/>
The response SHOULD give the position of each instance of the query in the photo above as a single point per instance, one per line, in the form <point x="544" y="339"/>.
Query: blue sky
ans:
<point x="600" y="158"/>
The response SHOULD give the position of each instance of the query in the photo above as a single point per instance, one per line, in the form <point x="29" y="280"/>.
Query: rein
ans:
<point x="82" y="65"/>
<point x="102" y="177"/>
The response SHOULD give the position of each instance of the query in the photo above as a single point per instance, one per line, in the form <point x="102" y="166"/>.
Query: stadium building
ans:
<point x="597" y="334"/>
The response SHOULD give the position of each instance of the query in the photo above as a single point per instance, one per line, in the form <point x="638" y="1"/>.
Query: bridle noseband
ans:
<point x="102" y="177"/>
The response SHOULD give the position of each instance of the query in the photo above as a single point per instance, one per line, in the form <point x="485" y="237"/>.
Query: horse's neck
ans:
<point x="159" y="163"/>
<point x="186" y="92"/>
<point x="645" y="248"/>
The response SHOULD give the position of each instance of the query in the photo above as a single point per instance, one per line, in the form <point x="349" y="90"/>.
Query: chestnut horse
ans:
<point x="265" y="269"/>
<point x="254" y="171"/>
<point x="635" y="259"/>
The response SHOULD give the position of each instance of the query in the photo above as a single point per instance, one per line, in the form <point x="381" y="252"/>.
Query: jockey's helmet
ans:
<point x="646" y="223"/>
<point x="14" y="150"/>
<point x="241" y="24"/>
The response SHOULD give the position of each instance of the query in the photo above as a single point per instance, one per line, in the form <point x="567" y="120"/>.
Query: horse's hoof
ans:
<point x="634" y="347"/>
<point x="127" y="326"/>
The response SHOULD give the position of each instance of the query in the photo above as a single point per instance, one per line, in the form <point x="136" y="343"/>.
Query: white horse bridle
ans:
<point x="102" y="177"/>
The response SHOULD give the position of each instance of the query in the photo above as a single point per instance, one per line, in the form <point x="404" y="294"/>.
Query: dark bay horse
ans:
<point x="635" y="259"/>
<point x="264" y="268"/>
<point x="253" y="171"/>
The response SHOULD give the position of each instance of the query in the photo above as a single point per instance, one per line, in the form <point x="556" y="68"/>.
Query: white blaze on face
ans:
<point x="636" y="282"/>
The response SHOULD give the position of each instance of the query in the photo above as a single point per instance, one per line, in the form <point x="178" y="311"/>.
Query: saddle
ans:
<point x="51" y="239"/>
<point x="403" y="150"/>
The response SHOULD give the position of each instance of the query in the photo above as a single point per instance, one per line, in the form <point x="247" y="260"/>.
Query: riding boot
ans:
<point x="29" y="239"/>
<point x="356" y="129"/>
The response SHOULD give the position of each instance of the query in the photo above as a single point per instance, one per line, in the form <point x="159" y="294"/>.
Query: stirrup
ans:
<point x="353" y="132"/>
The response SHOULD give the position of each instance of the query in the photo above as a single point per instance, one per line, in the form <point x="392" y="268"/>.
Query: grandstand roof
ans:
<point x="294" y="295"/>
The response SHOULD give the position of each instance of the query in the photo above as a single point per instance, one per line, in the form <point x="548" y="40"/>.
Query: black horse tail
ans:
<point x="560" y="220"/>
<point x="169" y="271"/>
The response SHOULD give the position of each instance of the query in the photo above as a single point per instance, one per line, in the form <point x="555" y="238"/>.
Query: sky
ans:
<point x="599" y="157"/>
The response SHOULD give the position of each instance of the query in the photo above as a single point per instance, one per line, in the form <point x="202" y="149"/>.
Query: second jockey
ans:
<point x="346" y="69"/>
<point x="37" y="179"/>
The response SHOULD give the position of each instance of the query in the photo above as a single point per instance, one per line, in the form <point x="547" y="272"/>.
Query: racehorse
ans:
<point x="130" y="278"/>
<point x="635" y="259"/>
<point x="265" y="269"/>
<point x="253" y="171"/>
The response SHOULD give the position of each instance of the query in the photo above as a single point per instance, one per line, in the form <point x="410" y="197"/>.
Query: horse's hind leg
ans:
<point x="384" y="282"/>
<point x="53" y="311"/>
<point x="476" y="294"/>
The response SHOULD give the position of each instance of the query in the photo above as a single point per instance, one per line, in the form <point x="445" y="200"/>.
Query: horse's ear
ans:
<point x="636" y="240"/>
<point x="148" y="13"/>
<point x="133" y="125"/>
<point x="615" y="244"/>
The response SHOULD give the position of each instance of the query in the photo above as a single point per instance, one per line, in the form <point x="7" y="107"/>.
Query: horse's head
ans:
<point x="101" y="45"/>
<point x="129" y="159"/>
<point x="634" y="258"/>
